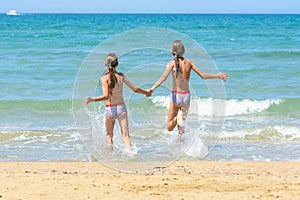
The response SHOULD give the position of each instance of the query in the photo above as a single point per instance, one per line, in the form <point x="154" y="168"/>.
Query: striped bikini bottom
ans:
<point x="114" y="111"/>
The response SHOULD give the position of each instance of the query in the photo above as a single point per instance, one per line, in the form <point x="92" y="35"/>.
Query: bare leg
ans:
<point x="123" y="122"/>
<point x="172" y="116"/>
<point x="183" y="111"/>
<point x="109" y="124"/>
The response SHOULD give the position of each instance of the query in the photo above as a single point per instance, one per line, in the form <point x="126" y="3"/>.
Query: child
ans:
<point x="112" y="87"/>
<point x="180" y="69"/>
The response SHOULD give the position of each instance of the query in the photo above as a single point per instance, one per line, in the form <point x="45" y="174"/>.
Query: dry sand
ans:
<point x="179" y="180"/>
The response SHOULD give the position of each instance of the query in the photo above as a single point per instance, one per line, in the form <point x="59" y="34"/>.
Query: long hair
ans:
<point x="111" y="61"/>
<point x="177" y="50"/>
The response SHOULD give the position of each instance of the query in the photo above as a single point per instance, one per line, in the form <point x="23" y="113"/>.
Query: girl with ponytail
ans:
<point x="112" y="88"/>
<point x="180" y="68"/>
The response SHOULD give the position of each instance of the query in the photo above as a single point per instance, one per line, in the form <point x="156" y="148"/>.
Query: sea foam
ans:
<point x="213" y="107"/>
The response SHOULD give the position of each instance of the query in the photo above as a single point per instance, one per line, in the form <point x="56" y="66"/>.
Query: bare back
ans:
<point x="181" y="76"/>
<point x="115" y="95"/>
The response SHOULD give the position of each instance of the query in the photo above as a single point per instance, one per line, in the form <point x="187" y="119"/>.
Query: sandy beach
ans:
<point x="50" y="62"/>
<point x="179" y="180"/>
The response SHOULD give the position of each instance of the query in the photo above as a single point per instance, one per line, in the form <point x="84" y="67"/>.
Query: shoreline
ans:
<point x="179" y="180"/>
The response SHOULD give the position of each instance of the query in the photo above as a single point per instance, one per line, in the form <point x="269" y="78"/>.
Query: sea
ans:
<point x="51" y="62"/>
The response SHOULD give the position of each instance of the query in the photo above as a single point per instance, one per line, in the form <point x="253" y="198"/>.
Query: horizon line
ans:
<point x="175" y="13"/>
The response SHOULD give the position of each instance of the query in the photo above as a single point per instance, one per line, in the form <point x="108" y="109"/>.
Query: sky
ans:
<point x="152" y="6"/>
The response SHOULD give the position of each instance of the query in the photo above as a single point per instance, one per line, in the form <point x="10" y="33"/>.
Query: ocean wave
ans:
<point x="62" y="109"/>
<point x="247" y="106"/>
<point x="41" y="134"/>
<point x="268" y="133"/>
<point x="230" y="107"/>
<point x="41" y="146"/>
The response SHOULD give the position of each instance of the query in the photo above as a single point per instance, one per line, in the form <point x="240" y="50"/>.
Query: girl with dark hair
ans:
<point x="112" y="88"/>
<point x="180" y="68"/>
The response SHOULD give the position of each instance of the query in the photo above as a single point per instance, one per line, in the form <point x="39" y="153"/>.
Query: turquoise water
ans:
<point x="42" y="53"/>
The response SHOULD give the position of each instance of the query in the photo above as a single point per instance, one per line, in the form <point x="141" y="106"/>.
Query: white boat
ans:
<point x="12" y="12"/>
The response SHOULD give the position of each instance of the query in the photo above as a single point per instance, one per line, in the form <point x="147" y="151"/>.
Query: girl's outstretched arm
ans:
<point x="220" y="75"/>
<point x="136" y="89"/>
<point x="104" y="95"/>
<point x="162" y="78"/>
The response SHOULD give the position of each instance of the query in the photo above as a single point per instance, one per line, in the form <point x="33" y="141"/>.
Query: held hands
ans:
<point x="148" y="93"/>
<point x="223" y="76"/>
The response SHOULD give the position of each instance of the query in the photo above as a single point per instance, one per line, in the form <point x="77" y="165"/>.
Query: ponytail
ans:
<point x="112" y="77"/>
<point x="111" y="61"/>
<point x="176" y="60"/>
<point x="177" y="50"/>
